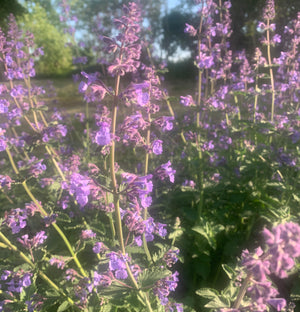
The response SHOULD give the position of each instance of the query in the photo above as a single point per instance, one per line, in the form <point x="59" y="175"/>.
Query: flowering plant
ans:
<point x="94" y="226"/>
<point x="93" y="207"/>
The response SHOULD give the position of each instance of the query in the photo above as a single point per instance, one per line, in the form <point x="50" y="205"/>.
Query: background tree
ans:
<point x="57" y="58"/>
<point x="174" y="37"/>
<point x="246" y="14"/>
<point x="9" y="7"/>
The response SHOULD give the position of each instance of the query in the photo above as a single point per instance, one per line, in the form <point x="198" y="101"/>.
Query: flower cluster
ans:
<point x="15" y="282"/>
<point x="283" y="246"/>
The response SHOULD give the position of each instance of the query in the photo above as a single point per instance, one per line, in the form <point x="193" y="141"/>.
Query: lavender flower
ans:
<point x="165" y="171"/>
<point x="16" y="220"/>
<point x="157" y="148"/>
<point x="87" y="234"/>
<point x="80" y="187"/>
<point x="165" y="123"/>
<point x="117" y="264"/>
<point x="269" y="10"/>
<point x="284" y="246"/>
<point x="103" y="136"/>
<point x="189" y="29"/>
<point x="99" y="247"/>
<point x="254" y="264"/>
<point x="139" y="187"/>
<point x="58" y="262"/>
<point x="171" y="257"/>
<point x="164" y="286"/>
<point x="16" y="281"/>
<point x="187" y="100"/>
<point x="34" y="242"/>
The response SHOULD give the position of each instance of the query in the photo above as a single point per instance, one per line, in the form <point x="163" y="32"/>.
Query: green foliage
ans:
<point x="9" y="7"/>
<point x="57" y="58"/>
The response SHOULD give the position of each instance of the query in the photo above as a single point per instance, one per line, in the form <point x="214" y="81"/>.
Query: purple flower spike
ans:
<point x="157" y="148"/>
<point x="187" y="100"/>
<point x="269" y="10"/>
<point x="82" y="87"/>
<point x="255" y="265"/>
<point x="277" y="303"/>
<point x="103" y="136"/>
<point x="58" y="262"/>
<point x="171" y="257"/>
<point x="189" y="29"/>
<point x="165" y="171"/>
<point x="117" y="264"/>
<point x="99" y="247"/>
<point x="88" y="234"/>
<point x="142" y="97"/>
<point x="284" y="245"/>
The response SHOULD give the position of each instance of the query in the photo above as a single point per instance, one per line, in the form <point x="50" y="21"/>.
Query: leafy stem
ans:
<point x="242" y="292"/>
<point x="145" y="212"/>
<point x="271" y="70"/>
<point x="7" y="242"/>
<point x="45" y="214"/>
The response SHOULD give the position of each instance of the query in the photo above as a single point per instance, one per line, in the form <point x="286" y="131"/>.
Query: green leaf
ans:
<point x="207" y="293"/>
<point x="176" y="233"/>
<point x="22" y="295"/>
<point x="218" y="303"/>
<point x="105" y="308"/>
<point x="134" y="250"/>
<point x="296" y="198"/>
<point x="295" y="293"/>
<point x="55" y="186"/>
<point x="93" y="305"/>
<point x="135" y="302"/>
<point x="114" y="291"/>
<point x="209" y="232"/>
<point x="231" y="292"/>
<point x="63" y="217"/>
<point x="64" y="306"/>
<point x="229" y="271"/>
<point x="149" y="277"/>
<point x="277" y="185"/>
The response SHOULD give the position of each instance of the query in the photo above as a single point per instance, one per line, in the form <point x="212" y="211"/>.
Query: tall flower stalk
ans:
<point x="269" y="15"/>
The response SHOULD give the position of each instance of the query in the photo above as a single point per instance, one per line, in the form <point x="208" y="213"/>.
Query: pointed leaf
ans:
<point x="218" y="303"/>
<point x="64" y="306"/>
<point x="149" y="277"/>
<point x="229" y="271"/>
<point x="208" y="293"/>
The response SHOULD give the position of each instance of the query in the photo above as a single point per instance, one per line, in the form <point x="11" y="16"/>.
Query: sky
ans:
<point x="172" y="3"/>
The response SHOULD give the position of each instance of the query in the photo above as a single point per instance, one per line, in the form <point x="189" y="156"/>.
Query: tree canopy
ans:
<point x="57" y="58"/>
<point x="42" y="17"/>
<point x="9" y="7"/>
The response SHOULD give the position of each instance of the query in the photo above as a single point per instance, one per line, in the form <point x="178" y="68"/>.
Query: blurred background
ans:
<point x="70" y="30"/>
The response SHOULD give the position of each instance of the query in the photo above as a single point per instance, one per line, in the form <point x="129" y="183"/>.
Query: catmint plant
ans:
<point x="88" y="202"/>
<point x="256" y="292"/>
<point x="78" y="192"/>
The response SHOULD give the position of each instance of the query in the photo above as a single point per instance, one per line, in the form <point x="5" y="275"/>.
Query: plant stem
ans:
<point x="115" y="191"/>
<point x="171" y="111"/>
<point x="271" y="70"/>
<point x="87" y="130"/>
<point x="145" y="212"/>
<point x="112" y="168"/>
<point x="57" y="228"/>
<point x="55" y="163"/>
<point x="242" y="292"/>
<point x="44" y="213"/>
<point x="6" y="196"/>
